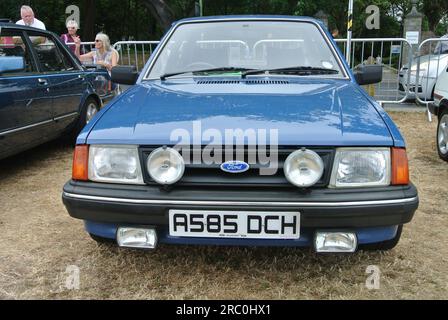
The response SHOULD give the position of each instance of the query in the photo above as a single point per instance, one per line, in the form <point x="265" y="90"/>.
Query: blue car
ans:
<point x="243" y="130"/>
<point x="44" y="90"/>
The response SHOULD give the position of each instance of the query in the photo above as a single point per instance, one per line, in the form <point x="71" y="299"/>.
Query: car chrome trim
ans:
<point x="4" y="133"/>
<point x="147" y="70"/>
<point x="73" y="114"/>
<point x="242" y="203"/>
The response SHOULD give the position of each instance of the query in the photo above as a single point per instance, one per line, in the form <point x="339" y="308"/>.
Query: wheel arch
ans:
<point x="443" y="105"/>
<point x="88" y="95"/>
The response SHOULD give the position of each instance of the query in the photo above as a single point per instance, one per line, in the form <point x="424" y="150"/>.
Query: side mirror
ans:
<point x="368" y="74"/>
<point x="124" y="75"/>
<point x="11" y="64"/>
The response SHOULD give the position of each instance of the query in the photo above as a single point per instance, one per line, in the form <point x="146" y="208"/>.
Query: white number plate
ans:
<point x="237" y="224"/>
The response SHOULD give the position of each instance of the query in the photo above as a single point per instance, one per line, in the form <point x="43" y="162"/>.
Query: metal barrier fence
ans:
<point x="129" y="52"/>
<point x="85" y="46"/>
<point x="387" y="51"/>
<point x="135" y="52"/>
<point x="394" y="54"/>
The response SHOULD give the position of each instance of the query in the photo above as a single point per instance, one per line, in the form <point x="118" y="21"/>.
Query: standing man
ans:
<point x="28" y="19"/>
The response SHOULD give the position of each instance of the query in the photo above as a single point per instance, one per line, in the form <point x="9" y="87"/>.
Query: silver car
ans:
<point x="431" y="67"/>
<point x="440" y="109"/>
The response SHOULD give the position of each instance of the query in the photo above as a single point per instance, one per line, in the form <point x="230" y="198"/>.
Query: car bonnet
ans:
<point x="318" y="112"/>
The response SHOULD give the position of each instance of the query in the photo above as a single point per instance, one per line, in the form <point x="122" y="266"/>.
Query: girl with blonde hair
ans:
<point x="104" y="55"/>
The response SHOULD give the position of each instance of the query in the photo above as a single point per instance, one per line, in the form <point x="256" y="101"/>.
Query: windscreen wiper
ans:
<point x="300" y="70"/>
<point x="223" y="69"/>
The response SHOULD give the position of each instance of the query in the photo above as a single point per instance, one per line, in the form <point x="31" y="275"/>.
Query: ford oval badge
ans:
<point x="234" y="166"/>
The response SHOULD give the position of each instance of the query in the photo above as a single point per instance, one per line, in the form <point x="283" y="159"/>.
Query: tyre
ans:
<point x="442" y="135"/>
<point x="88" y="111"/>
<point x="384" y="245"/>
<point x="101" y="239"/>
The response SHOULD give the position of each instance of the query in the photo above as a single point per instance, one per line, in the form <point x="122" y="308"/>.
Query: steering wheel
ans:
<point x="200" y="65"/>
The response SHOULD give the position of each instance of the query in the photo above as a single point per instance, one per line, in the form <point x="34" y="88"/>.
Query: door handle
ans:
<point x="42" y="82"/>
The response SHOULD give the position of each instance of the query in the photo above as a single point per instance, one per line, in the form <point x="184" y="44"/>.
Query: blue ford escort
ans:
<point x="44" y="90"/>
<point x="244" y="130"/>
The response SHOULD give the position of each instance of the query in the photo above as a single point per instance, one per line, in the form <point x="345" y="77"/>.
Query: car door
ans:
<point x="66" y="78"/>
<point x="25" y="107"/>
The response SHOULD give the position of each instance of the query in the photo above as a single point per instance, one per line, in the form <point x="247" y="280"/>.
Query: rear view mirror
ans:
<point x="11" y="64"/>
<point x="124" y="75"/>
<point x="368" y="74"/>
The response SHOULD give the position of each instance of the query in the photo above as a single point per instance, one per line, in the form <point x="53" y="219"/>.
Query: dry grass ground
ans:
<point x="39" y="241"/>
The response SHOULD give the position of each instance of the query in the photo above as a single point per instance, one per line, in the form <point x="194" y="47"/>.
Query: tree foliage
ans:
<point x="434" y="11"/>
<point x="149" y="19"/>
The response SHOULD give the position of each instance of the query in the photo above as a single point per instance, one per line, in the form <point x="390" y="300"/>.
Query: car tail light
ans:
<point x="400" y="168"/>
<point x="80" y="169"/>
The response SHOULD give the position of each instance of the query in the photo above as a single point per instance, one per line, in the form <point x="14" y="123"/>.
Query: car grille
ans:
<point x="211" y="175"/>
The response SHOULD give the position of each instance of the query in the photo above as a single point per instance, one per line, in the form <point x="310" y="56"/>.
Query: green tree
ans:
<point x="434" y="11"/>
<point x="149" y="19"/>
<point x="337" y="16"/>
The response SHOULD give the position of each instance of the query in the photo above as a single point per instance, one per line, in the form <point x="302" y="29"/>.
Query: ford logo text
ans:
<point x="234" y="166"/>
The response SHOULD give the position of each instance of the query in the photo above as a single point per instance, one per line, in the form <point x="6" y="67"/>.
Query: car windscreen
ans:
<point x="245" y="45"/>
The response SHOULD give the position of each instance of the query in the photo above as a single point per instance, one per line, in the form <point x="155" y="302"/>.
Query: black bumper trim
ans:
<point x="320" y="208"/>
<point x="240" y="203"/>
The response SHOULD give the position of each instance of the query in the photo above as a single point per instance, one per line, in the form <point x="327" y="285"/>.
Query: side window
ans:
<point x="51" y="57"/>
<point x="13" y="44"/>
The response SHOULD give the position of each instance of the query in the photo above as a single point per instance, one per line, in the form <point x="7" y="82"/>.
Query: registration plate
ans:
<point x="234" y="224"/>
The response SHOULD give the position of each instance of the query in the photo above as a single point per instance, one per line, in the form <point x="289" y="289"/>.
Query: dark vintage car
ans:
<point x="44" y="90"/>
<point x="244" y="130"/>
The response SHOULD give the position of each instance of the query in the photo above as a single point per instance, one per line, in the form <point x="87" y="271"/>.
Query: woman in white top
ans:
<point x="104" y="55"/>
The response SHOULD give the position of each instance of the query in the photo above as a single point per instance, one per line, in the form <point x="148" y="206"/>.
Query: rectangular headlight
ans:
<point x="361" y="167"/>
<point x="115" y="164"/>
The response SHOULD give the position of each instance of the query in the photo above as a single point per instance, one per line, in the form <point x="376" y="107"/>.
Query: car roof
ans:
<point x="26" y="28"/>
<point x="246" y="17"/>
<point x="21" y="27"/>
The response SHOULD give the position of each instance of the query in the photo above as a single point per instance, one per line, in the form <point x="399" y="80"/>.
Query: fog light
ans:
<point x="328" y="241"/>
<point x="303" y="168"/>
<point x="137" y="238"/>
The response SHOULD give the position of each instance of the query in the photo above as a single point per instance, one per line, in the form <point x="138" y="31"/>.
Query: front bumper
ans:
<point x="320" y="208"/>
<point x="364" y="236"/>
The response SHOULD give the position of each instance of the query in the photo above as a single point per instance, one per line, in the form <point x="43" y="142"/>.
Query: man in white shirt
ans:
<point x="28" y="19"/>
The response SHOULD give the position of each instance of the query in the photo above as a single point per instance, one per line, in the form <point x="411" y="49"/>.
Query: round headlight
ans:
<point x="165" y="165"/>
<point x="303" y="168"/>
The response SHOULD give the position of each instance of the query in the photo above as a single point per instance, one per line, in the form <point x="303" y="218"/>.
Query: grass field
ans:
<point x="39" y="241"/>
